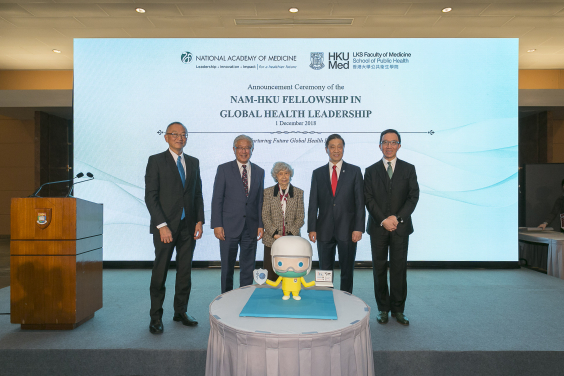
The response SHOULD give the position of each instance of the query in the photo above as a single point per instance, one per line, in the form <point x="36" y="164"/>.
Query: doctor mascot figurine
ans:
<point x="291" y="260"/>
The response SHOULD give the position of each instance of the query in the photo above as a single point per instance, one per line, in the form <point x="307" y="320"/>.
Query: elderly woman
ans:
<point x="282" y="211"/>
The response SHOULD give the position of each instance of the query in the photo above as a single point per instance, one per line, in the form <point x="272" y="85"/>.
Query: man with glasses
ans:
<point x="336" y="211"/>
<point x="236" y="216"/>
<point x="391" y="193"/>
<point x="173" y="194"/>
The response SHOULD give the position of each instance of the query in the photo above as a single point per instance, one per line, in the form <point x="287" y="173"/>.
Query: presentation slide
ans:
<point x="454" y="102"/>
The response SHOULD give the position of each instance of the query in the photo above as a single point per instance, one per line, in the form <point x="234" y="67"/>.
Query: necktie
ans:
<point x="390" y="170"/>
<point x="334" y="180"/>
<point x="245" y="180"/>
<point x="182" y="177"/>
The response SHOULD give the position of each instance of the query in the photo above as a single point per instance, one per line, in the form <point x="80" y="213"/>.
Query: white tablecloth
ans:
<point x="555" y="241"/>
<point x="262" y="346"/>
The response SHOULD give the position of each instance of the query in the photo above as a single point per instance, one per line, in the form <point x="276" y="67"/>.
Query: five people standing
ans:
<point x="243" y="212"/>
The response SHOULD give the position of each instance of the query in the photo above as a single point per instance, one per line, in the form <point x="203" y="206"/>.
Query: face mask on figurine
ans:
<point x="291" y="260"/>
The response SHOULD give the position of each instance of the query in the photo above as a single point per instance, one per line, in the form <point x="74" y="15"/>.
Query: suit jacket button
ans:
<point x="244" y="216"/>
<point x="334" y="204"/>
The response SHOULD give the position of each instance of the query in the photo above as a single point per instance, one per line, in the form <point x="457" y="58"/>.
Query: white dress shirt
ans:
<point x="339" y="165"/>
<point x="182" y="160"/>
<point x="385" y="161"/>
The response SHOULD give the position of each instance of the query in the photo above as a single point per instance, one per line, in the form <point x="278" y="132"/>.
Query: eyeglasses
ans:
<point x="243" y="149"/>
<point x="386" y="143"/>
<point x="176" y="135"/>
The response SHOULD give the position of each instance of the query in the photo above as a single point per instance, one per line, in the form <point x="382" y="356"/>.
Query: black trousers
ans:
<point x="183" y="240"/>
<point x="394" y="299"/>
<point x="228" y="253"/>
<point x="267" y="263"/>
<point x="347" y="255"/>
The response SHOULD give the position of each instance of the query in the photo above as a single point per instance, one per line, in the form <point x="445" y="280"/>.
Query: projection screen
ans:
<point x="454" y="101"/>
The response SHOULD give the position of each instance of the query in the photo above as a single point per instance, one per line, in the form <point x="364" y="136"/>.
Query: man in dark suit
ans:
<point x="336" y="211"/>
<point x="391" y="193"/>
<point x="173" y="194"/>
<point x="236" y="216"/>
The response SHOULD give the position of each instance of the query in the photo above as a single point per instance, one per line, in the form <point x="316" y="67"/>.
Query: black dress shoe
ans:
<point x="401" y="318"/>
<point x="382" y="317"/>
<point x="186" y="319"/>
<point x="156" y="326"/>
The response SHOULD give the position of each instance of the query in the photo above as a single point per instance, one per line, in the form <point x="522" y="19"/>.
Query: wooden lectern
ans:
<point x="55" y="262"/>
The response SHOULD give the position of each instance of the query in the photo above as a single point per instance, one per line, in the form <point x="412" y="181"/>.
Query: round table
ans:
<point x="248" y="346"/>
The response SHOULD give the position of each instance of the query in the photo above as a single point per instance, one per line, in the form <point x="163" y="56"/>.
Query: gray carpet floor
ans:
<point x="463" y="322"/>
<point x="449" y="310"/>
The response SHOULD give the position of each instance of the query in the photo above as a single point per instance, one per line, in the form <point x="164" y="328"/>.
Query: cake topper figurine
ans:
<point x="291" y="260"/>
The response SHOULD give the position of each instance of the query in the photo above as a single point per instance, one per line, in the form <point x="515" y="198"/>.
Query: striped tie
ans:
<point x="245" y="180"/>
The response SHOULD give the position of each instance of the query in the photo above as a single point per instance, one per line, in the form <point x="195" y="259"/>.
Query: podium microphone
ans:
<point x="79" y="175"/>
<point x="89" y="174"/>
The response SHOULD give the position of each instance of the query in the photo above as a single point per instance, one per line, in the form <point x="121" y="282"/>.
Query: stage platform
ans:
<point x="463" y="322"/>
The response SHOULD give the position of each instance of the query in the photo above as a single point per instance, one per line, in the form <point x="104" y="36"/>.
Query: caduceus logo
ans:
<point x="186" y="57"/>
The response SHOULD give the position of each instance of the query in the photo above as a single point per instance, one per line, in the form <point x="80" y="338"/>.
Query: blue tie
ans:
<point x="182" y="177"/>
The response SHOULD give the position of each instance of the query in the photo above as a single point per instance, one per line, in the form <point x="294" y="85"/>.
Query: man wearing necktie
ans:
<point x="391" y="193"/>
<point x="336" y="211"/>
<point x="173" y="194"/>
<point x="236" y="216"/>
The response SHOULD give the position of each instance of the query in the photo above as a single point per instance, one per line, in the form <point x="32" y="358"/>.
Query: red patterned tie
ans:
<point x="245" y="180"/>
<point x="334" y="180"/>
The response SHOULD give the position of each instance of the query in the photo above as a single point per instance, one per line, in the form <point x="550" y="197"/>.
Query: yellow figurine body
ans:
<point x="291" y="260"/>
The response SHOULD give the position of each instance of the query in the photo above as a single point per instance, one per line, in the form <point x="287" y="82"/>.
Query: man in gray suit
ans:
<point x="173" y="194"/>
<point x="236" y="216"/>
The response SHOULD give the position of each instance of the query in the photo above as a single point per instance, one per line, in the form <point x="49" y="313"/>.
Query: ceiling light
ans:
<point x="293" y="10"/>
<point x="57" y="51"/>
<point x="446" y="10"/>
<point x="140" y="10"/>
<point x="533" y="50"/>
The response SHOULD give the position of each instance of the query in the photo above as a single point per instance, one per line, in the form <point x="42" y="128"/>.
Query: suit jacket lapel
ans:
<point x="237" y="177"/>
<point x="327" y="178"/>
<point x="381" y="170"/>
<point x="173" y="168"/>
<point x="290" y="202"/>
<point x="188" y="170"/>
<point x="254" y="181"/>
<point x="398" y="169"/>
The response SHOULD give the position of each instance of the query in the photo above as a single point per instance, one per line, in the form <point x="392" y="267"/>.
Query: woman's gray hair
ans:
<point x="243" y="137"/>
<point x="281" y="166"/>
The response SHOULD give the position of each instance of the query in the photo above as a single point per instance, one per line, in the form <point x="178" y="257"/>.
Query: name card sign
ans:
<point x="324" y="278"/>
